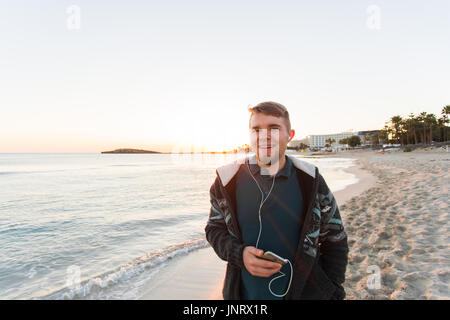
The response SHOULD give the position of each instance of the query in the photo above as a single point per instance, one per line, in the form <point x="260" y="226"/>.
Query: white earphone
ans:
<point x="260" y="229"/>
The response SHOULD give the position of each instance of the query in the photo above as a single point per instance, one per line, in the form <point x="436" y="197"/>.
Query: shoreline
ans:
<point x="366" y="180"/>
<point x="202" y="272"/>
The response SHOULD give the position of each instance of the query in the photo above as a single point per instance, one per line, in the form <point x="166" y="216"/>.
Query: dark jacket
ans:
<point x="321" y="258"/>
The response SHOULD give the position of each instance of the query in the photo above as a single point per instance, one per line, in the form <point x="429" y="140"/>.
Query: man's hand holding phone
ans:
<point x="256" y="265"/>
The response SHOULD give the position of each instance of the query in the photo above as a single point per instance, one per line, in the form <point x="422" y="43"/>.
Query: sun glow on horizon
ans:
<point x="180" y="77"/>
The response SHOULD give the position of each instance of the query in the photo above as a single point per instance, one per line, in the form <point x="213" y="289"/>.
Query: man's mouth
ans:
<point x="266" y="147"/>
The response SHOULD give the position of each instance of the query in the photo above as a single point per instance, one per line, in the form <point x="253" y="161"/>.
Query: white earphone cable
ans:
<point x="260" y="229"/>
<point x="282" y="275"/>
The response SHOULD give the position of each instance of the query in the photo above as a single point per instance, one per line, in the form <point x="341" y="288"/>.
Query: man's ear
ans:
<point x="291" y="134"/>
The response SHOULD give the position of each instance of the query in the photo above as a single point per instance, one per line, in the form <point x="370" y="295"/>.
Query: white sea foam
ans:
<point x="102" y="286"/>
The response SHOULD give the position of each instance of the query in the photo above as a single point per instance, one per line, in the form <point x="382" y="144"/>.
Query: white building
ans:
<point x="320" y="140"/>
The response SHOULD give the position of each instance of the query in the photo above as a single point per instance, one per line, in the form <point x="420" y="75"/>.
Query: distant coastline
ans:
<point x="130" y="151"/>
<point x="157" y="152"/>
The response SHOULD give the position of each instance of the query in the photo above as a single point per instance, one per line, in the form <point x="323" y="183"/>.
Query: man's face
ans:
<point x="269" y="137"/>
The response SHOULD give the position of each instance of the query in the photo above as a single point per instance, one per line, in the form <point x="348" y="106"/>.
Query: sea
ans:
<point x="100" y="226"/>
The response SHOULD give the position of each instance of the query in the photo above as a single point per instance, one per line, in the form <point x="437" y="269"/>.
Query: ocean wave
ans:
<point x="15" y="172"/>
<point x="129" y="165"/>
<point x="150" y="263"/>
<point x="46" y="170"/>
<point x="152" y="223"/>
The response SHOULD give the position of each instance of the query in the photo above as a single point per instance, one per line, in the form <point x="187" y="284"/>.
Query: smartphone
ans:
<point x="269" y="255"/>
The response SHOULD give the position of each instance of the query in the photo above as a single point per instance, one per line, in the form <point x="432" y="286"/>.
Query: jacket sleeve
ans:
<point x="332" y="239"/>
<point x="224" y="242"/>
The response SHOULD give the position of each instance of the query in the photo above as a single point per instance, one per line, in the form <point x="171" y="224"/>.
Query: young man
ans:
<point x="273" y="202"/>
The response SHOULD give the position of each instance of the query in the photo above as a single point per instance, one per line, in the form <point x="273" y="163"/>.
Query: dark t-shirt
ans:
<point x="280" y="216"/>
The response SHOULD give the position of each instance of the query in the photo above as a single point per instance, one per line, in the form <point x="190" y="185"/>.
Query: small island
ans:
<point x="130" y="151"/>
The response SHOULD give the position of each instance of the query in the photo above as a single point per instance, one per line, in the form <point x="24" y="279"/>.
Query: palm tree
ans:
<point x="440" y="123"/>
<point x="405" y="131"/>
<point x="422" y="118"/>
<point x="383" y="134"/>
<point x="413" y="124"/>
<point x="431" y="121"/>
<point x="445" y="112"/>
<point x="329" y="142"/>
<point x="396" y="124"/>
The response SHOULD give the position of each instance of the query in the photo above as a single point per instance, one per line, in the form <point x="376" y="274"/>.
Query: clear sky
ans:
<point x="163" y="75"/>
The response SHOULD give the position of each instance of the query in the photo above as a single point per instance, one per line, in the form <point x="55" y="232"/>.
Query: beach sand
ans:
<point x="400" y="228"/>
<point x="396" y="220"/>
